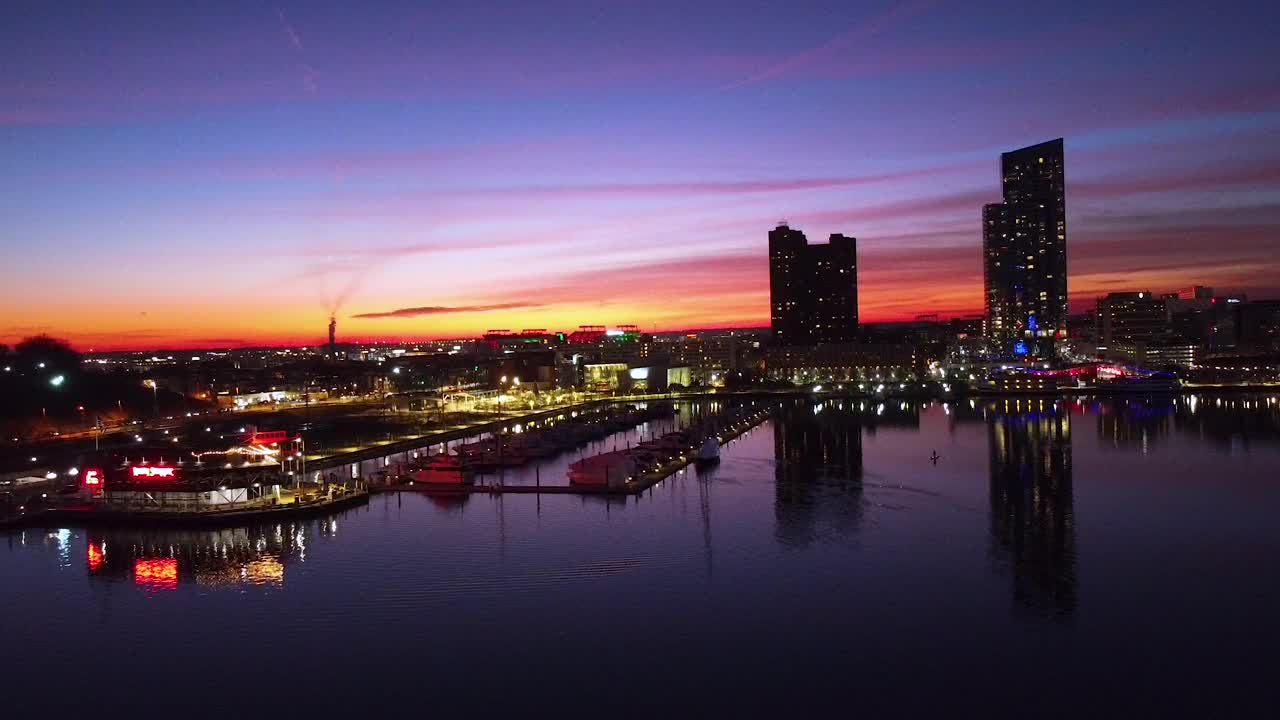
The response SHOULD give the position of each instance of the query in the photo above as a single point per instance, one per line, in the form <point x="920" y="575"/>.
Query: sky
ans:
<point x="222" y="174"/>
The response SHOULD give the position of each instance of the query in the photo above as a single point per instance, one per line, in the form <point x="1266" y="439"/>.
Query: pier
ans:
<point x="653" y="463"/>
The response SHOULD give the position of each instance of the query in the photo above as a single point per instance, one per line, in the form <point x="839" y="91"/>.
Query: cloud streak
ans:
<point x="289" y="31"/>
<point x="412" y="312"/>
<point x="872" y="27"/>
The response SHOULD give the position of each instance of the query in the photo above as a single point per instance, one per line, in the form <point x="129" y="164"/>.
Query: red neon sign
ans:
<point x="156" y="573"/>
<point x="269" y="436"/>
<point x="92" y="478"/>
<point x="146" y="471"/>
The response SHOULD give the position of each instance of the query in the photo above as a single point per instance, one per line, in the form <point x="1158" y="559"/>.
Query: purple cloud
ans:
<point x="446" y="310"/>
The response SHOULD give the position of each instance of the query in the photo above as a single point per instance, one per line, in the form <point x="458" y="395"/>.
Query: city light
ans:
<point x="57" y="380"/>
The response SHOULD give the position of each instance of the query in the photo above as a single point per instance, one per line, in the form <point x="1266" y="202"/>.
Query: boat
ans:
<point x="610" y="469"/>
<point x="441" y="469"/>
<point x="709" y="452"/>
<point x="1159" y="382"/>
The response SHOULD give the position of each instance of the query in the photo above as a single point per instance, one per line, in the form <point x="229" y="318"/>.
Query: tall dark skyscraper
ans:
<point x="813" y="289"/>
<point x="1024" y="245"/>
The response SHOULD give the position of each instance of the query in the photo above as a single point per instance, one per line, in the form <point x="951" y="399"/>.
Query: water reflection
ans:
<point x="1134" y="424"/>
<point x="1235" y="424"/>
<point x="159" y="560"/>
<point x="818" y="471"/>
<point x="1032" y="523"/>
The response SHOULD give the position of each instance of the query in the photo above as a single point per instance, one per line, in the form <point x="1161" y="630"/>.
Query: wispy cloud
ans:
<point x="309" y="73"/>
<point x="446" y="310"/>
<point x="720" y="187"/>
<point x="289" y="31"/>
<point x="872" y="27"/>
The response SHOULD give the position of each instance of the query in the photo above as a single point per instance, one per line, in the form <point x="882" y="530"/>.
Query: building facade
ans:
<point x="1024" y="243"/>
<point x="813" y="289"/>
<point x="1126" y="317"/>
<point x="841" y="362"/>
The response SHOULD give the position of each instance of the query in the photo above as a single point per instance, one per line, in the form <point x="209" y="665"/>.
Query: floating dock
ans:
<point x="656" y="469"/>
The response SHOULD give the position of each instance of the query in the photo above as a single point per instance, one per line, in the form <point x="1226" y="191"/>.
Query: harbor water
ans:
<point x="1056" y="558"/>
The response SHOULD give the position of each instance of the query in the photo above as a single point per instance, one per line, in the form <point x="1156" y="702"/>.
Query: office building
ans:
<point x="1024" y="242"/>
<point x="1131" y="316"/>
<point x="813" y="289"/>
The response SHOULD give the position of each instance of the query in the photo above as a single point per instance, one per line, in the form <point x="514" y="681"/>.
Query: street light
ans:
<point x="57" y="380"/>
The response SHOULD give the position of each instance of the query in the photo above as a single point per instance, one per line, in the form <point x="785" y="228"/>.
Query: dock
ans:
<point x="89" y="514"/>
<point x="676" y="461"/>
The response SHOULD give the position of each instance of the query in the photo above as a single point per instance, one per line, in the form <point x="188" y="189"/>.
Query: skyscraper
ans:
<point x="813" y="289"/>
<point x="1024" y="244"/>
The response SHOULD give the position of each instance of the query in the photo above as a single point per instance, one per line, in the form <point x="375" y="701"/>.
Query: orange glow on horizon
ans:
<point x="886" y="294"/>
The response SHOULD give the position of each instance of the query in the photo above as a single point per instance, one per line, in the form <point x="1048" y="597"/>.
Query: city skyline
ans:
<point x="438" y="174"/>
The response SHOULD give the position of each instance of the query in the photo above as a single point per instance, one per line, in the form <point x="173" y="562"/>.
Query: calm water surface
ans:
<point x="1059" y="559"/>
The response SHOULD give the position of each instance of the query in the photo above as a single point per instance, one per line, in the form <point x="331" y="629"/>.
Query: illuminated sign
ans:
<point x="1110" y="371"/>
<point x="146" y="471"/>
<point x="1020" y="348"/>
<point x="92" y="478"/>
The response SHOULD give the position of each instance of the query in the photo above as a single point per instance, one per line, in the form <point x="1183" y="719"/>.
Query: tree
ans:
<point x="54" y="353"/>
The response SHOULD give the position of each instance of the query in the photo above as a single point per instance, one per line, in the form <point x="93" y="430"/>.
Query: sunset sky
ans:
<point x="232" y="175"/>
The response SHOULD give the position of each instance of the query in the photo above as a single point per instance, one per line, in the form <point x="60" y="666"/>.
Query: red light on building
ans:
<point x="1110" y="371"/>
<point x="148" y="471"/>
<point x="93" y="478"/>
<point x="95" y="557"/>
<point x="156" y="573"/>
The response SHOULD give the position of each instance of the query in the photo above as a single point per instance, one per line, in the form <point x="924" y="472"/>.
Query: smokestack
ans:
<point x="333" y="332"/>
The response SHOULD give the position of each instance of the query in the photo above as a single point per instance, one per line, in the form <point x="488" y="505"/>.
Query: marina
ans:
<point x="1022" y="527"/>
<point x="482" y="464"/>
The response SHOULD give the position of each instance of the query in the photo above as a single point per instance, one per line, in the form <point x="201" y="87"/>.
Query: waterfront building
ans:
<point x="1131" y="317"/>
<point x="841" y="362"/>
<point x="1024" y="242"/>
<point x="617" y="376"/>
<point x="709" y="358"/>
<point x="813" y="289"/>
<point x="1259" y="326"/>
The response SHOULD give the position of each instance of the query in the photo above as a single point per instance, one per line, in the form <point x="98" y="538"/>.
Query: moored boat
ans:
<point x="709" y="452"/>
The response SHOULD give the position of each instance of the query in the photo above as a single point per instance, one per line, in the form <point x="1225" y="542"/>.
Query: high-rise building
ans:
<point x="813" y="289"/>
<point x="1024" y="243"/>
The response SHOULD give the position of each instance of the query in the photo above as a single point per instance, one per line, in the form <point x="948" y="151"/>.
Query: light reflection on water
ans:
<point x="1051" y="539"/>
